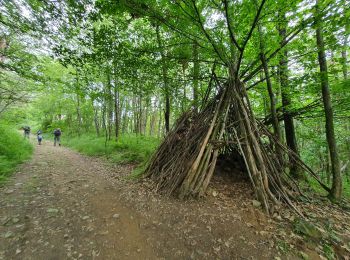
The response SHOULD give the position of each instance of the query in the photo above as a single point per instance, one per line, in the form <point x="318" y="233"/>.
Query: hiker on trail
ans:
<point x="26" y="131"/>
<point x="57" y="134"/>
<point x="40" y="136"/>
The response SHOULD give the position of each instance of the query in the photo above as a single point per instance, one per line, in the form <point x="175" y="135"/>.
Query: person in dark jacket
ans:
<point x="26" y="131"/>
<point x="57" y="138"/>
<point x="39" y="136"/>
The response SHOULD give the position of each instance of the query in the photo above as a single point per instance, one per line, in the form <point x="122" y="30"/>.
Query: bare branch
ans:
<point x="287" y="40"/>
<point x="249" y="34"/>
<point x="211" y="41"/>
<point x="232" y="37"/>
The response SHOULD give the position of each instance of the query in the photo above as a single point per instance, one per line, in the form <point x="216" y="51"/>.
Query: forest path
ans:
<point x="56" y="207"/>
<point x="63" y="205"/>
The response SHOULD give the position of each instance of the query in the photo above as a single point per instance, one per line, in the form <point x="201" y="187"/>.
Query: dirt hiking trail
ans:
<point x="63" y="205"/>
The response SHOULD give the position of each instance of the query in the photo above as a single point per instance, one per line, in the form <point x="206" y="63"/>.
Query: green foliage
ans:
<point x="14" y="149"/>
<point x="130" y="148"/>
<point x="328" y="251"/>
<point x="283" y="246"/>
<point x="307" y="229"/>
<point x="106" y="52"/>
<point x="312" y="183"/>
<point x="346" y="187"/>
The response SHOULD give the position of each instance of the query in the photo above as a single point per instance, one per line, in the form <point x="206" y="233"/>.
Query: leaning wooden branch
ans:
<point x="286" y="41"/>
<point x="229" y="27"/>
<point x="207" y="35"/>
<point x="247" y="38"/>
<point x="185" y="162"/>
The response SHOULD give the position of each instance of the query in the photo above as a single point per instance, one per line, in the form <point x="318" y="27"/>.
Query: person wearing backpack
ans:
<point x="26" y="131"/>
<point x="57" y="134"/>
<point x="40" y="136"/>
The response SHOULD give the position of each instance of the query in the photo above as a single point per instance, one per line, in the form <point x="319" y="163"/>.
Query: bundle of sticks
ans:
<point x="185" y="161"/>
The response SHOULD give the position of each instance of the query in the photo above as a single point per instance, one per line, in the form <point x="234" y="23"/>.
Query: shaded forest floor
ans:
<point x="63" y="205"/>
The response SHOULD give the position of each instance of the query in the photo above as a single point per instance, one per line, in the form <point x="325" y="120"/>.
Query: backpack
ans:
<point x="57" y="132"/>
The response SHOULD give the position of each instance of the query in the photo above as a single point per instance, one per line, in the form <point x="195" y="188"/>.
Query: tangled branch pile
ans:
<point x="185" y="161"/>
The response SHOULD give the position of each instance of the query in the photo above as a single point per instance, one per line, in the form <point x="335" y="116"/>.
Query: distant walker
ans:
<point x="57" y="134"/>
<point x="40" y="136"/>
<point x="26" y="131"/>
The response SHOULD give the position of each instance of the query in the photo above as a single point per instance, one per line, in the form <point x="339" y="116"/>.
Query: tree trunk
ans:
<point x="165" y="81"/>
<point x="145" y="116"/>
<point x="344" y="50"/>
<point x="116" y="113"/>
<point x="275" y="123"/>
<point x="195" y="75"/>
<point x="78" y="113"/>
<point x="184" y="98"/>
<point x="125" y="118"/>
<point x="152" y="123"/>
<point x="109" y="101"/>
<point x="77" y="93"/>
<point x="116" y="106"/>
<point x="97" y="127"/>
<point x="3" y="46"/>
<point x="286" y="102"/>
<point x="135" y="114"/>
<point x="104" y="125"/>
<point x="140" y="116"/>
<point x="336" y="190"/>
<point x="160" y="120"/>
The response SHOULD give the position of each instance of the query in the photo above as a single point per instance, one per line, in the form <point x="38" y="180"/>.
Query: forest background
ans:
<point x="116" y="75"/>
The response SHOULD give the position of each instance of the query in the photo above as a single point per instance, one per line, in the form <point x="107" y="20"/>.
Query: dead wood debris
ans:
<point x="185" y="161"/>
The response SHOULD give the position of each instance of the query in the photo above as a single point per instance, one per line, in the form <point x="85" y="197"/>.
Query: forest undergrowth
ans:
<point x="13" y="150"/>
<point x="129" y="148"/>
<point x="137" y="149"/>
<point x="313" y="185"/>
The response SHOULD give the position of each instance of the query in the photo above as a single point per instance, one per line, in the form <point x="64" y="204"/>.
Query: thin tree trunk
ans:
<point x="122" y="104"/>
<point x="78" y="110"/>
<point x="116" y="107"/>
<point x="153" y="117"/>
<point x="160" y="120"/>
<point x="79" y="119"/>
<point x="140" y="116"/>
<point x="165" y="81"/>
<point x="104" y="125"/>
<point x="184" y="98"/>
<point x="152" y="123"/>
<point x="195" y="75"/>
<point x="286" y="102"/>
<point x="135" y="114"/>
<point x="109" y="100"/>
<point x="125" y="120"/>
<point x="344" y="50"/>
<point x="3" y="46"/>
<point x="145" y="116"/>
<point x="275" y="123"/>
<point x="97" y="127"/>
<point x="336" y="190"/>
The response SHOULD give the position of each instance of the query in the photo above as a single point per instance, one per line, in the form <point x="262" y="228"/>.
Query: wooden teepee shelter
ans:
<point x="185" y="161"/>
